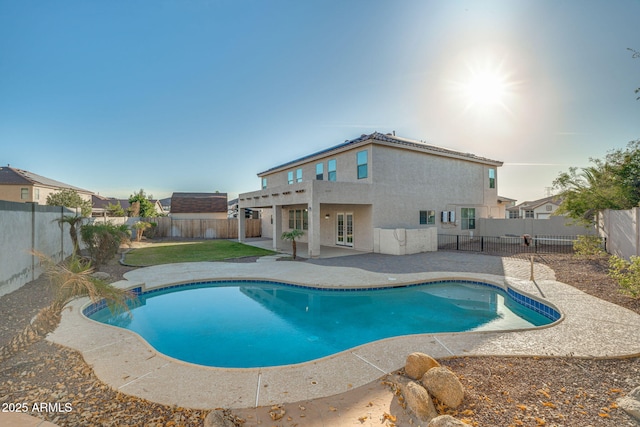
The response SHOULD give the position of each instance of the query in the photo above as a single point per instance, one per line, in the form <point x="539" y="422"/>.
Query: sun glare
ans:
<point x="484" y="86"/>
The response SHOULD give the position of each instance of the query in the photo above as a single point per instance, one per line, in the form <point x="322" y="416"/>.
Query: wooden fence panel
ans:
<point x="205" y="228"/>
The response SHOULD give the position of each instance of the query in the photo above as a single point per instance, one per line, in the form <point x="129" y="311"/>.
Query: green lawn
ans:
<point x="205" y="250"/>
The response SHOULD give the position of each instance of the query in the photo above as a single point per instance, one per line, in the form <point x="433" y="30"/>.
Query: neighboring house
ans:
<point x="17" y="185"/>
<point x="342" y="195"/>
<point x="504" y="203"/>
<point x="232" y="211"/>
<point x="165" y="204"/>
<point x="101" y="205"/>
<point x="199" y="206"/>
<point x="536" y="209"/>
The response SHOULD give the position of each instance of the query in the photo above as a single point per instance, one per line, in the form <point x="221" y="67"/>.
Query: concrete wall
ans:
<point x="25" y="227"/>
<point x="555" y="225"/>
<point x="622" y="230"/>
<point x="402" y="241"/>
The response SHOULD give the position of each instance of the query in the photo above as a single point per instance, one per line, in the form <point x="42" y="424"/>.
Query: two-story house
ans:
<point x="341" y="195"/>
<point x="18" y="185"/>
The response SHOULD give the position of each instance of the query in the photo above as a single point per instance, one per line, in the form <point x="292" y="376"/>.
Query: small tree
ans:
<point x="70" y="279"/>
<point x="146" y="208"/>
<point x="103" y="240"/>
<point x="115" y="209"/>
<point x="140" y="226"/>
<point x="73" y="222"/>
<point x="70" y="198"/>
<point x="292" y="235"/>
<point x="627" y="274"/>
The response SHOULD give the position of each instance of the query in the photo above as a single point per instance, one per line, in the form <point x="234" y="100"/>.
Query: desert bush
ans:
<point x="587" y="246"/>
<point x="626" y="273"/>
<point x="103" y="240"/>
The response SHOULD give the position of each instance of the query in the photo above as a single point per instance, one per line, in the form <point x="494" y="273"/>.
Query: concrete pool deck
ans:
<point x="590" y="328"/>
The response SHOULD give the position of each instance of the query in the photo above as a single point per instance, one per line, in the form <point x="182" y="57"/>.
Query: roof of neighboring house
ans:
<point x="536" y="203"/>
<point x="199" y="202"/>
<point x="103" y="202"/>
<point x="388" y="138"/>
<point x="502" y="199"/>
<point x="14" y="176"/>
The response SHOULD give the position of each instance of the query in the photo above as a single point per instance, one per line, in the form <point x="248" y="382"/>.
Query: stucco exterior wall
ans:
<point x="346" y="168"/>
<point x="406" y="182"/>
<point x="26" y="227"/>
<point x="37" y="193"/>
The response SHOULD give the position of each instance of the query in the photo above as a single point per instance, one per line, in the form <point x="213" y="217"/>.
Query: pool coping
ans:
<point x="129" y="364"/>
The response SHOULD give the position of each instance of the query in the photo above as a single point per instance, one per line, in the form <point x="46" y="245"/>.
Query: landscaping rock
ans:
<point x="444" y="385"/>
<point x="419" y="363"/>
<point x="446" y="421"/>
<point x="419" y="401"/>
<point x="218" y="418"/>
<point x="101" y="275"/>
<point x="631" y="404"/>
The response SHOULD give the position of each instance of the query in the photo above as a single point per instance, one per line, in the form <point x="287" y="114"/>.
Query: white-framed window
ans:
<point x="428" y="217"/>
<point x="298" y="219"/>
<point x="24" y="193"/>
<point x="492" y="178"/>
<point x="264" y="183"/>
<point x="331" y="170"/>
<point x="320" y="171"/>
<point x="468" y="218"/>
<point x="290" y="177"/>
<point x="361" y="158"/>
<point x="529" y="214"/>
<point x="36" y="194"/>
<point x="299" y="175"/>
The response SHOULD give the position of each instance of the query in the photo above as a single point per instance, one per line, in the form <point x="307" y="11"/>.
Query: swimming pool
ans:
<point x="249" y="323"/>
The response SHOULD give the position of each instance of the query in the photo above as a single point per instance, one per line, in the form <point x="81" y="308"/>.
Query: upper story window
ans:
<point x="468" y="218"/>
<point x="299" y="175"/>
<point x="331" y="170"/>
<point x="264" y="183"/>
<point x="362" y="164"/>
<point x="24" y="193"/>
<point x="290" y="177"/>
<point x="320" y="171"/>
<point x="492" y="178"/>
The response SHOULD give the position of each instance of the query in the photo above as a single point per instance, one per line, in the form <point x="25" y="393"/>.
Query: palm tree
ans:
<point x="71" y="279"/>
<point x="73" y="231"/>
<point x="292" y="235"/>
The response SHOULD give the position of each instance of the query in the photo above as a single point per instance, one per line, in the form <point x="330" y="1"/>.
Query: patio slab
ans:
<point x="126" y="362"/>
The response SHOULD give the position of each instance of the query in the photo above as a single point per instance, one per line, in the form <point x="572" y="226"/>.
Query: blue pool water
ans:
<point x="257" y="324"/>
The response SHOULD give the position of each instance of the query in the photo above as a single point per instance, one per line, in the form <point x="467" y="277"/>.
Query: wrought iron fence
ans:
<point x="543" y="244"/>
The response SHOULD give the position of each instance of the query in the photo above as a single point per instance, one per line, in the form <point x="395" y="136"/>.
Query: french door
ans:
<point x="344" y="232"/>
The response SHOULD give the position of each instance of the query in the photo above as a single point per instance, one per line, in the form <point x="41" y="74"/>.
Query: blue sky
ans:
<point x="196" y="95"/>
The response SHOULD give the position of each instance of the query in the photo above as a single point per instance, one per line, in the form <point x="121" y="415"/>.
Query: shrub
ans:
<point x="587" y="246"/>
<point x="103" y="240"/>
<point x="626" y="273"/>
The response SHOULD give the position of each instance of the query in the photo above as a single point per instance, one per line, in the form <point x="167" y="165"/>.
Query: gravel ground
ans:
<point x="500" y="391"/>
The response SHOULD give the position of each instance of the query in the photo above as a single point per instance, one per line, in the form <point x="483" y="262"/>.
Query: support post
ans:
<point x="277" y="226"/>
<point x="242" y="222"/>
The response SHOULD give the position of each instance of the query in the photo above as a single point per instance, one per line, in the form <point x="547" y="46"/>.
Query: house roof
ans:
<point x="532" y="204"/>
<point x="14" y="176"/>
<point x="378" y="137"/>
<point x="199" y="202"/>
<point x="103" y="202"/>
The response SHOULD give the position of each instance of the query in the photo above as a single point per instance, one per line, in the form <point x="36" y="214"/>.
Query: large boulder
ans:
<point x="444" y="385"/>
<point x="419" y="401"/>
<point x="419" y="363"/>
<point x="631" y="404"/>
<point x="446" y="421"/>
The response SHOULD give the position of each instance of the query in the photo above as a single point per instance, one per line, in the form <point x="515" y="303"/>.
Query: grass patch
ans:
<point x="205" y="250"/>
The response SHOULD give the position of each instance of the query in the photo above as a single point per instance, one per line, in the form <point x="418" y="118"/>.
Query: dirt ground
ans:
<point x="500" y="391"/>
